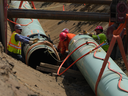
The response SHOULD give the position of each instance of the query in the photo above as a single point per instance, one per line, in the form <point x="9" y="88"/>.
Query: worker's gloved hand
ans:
<point x="66" y="52"/>
<point x="85" y="32"/>
<point x="90" y="35"/>
<point x="31" y="42"/>
<point x="34" y="39"/>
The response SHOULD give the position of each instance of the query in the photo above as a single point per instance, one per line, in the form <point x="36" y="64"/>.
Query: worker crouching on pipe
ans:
<point x="62" y="48"/>
<point x="65" y="30"/>
<point x="64" y="38"/>
<point x="14" y="45"/>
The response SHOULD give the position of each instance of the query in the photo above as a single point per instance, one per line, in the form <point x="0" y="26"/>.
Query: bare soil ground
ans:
<point x="18" y="79"/>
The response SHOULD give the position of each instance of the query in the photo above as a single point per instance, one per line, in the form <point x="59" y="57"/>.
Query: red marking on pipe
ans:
<point x="20" y="24"/>
<point x="25" y="4"/>
<point x="31" y="31"/>
<point x="38" y="31"/>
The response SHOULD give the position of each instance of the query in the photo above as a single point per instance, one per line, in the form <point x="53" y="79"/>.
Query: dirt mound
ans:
<point x="18" y="79"/>
<point x="10" y="84"/>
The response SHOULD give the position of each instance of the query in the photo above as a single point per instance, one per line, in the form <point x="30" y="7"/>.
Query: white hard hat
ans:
<point x="18" y="26"/>
<point x="66" y="30"/>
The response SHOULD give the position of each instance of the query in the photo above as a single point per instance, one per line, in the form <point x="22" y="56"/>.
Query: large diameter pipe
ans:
<point x="90" y="68"/>
<point x="43" y="50"/>
<point x="58" y="15"/>
<point x="105" y="2"/>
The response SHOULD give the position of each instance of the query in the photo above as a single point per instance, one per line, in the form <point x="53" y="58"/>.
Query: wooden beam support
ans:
<point x="105" y="2"/>
<point x="53" y="69"/>
<point x="3" y="23"/>
<point x="58" y="15"/>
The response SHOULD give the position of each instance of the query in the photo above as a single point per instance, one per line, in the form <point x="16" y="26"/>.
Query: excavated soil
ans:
<point x="18" y="79"/>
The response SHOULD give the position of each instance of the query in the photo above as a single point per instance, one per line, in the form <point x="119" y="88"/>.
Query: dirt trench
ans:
<point x="18" y="79"/>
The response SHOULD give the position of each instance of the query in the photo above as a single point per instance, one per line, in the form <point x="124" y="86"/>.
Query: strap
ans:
<point x="98" y="39"/>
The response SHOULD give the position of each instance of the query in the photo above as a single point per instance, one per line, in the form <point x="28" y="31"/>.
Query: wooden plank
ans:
<point x="53" y="69"/>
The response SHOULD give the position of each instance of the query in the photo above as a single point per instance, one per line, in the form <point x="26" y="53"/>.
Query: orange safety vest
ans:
<point x="13" y="45"/>
<point x="63" y="45"/>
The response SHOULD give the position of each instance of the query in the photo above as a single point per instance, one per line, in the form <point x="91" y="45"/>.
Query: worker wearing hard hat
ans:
<point x="14" y="45"/>
<point x="65" y="30"/>
<point x="63" y="48"/>
<point x="64" y="39"/>
<point x="101" y="37"/>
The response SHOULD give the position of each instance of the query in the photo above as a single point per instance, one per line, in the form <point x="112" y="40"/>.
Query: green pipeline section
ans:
<point x="43" y="50"/>
<point x="90" y="67"/>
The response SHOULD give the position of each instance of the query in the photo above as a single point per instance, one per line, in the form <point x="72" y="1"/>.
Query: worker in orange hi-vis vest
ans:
<point x="65" y="30"/>
<point x="64" y="39"/>
<point x="63" y="48"/>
